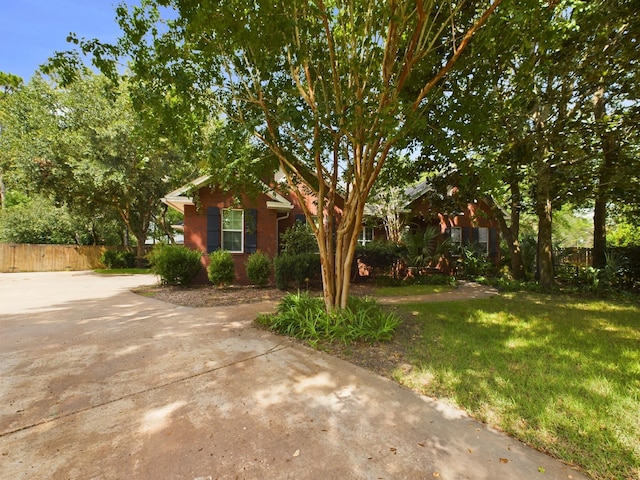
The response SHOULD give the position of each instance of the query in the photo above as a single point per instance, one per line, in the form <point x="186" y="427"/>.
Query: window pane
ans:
<point x="483" y="234"/>
<point x="456" y="235"/>
<point x="232" y="241"/>
<point x="232" y="219"/>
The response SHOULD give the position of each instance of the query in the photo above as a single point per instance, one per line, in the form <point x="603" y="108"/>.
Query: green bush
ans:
<point x="176" y="265"/>
<point x="303" y="316"/>
<point x="380" y="255"/>
<point x="221" y="270"/>
<point x="118" y="259"/>
<point x="298" y="239"/>
<point x="259" y="268"/>
<point x="474" y="261"/>
<point x="296" y="270"/>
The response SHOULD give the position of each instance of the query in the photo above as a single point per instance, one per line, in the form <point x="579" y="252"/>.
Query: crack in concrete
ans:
<point x="274" y="349"/>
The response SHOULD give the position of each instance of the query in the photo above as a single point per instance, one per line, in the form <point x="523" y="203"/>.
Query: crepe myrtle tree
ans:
<point x="317" y="83"/>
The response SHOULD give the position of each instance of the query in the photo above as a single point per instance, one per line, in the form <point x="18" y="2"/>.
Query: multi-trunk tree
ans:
<point x="317" y="83"/>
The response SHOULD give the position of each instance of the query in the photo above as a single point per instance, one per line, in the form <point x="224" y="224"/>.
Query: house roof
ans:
<point x="414" y="192"/>
<point x="180" y="198"/>
<point x="409" y="195"/>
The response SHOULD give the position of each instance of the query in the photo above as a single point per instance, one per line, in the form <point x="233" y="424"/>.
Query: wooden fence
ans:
<point x="575" y="256"/>
<point x="50" y="258"/>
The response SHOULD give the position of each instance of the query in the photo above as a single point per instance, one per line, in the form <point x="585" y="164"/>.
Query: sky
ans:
<point x="32" y="30"/>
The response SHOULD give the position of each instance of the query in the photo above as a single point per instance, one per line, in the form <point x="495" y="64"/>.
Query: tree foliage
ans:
<point x="316" y="84"/>
<point x="81" y="143"/>
<point x="542" y="113"/>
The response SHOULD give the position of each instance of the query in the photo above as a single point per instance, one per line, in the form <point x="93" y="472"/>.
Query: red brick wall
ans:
<point x="195" y="227"/>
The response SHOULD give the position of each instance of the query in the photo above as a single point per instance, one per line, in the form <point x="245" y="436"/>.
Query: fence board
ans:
<point x="50" y="258"/>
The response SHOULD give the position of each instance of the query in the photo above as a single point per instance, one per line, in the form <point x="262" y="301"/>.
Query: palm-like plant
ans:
<point x="423" y="248"/>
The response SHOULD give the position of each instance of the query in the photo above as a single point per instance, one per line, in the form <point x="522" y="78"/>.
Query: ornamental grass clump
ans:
<point x="303" y="316"/>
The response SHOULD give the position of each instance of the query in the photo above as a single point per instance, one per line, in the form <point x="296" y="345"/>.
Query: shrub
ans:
<point x="303" y="316"/>
<point x="296" y="270"/>
<point x="259" y="268"/>
<point x="221" y="270"/>
<point x="380" y="255"/>
<point x="176" y="265"/>
<point x="118" y="259"/>
<point x="298" y="239"/>
<point x="474" y="262"/>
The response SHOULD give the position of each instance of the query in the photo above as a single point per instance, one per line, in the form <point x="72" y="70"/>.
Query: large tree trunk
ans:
<point x="545" y="272"/>
<point x="599" y="233"/>
<point x="605" y="176"/>
<point x="140" y="250"/>
<point x="511" y="232"/>
<point x="544" y="211"/>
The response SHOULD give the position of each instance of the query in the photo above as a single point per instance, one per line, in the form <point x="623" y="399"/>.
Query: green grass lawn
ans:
<point x="122" y="271"/>
<point x="559" y="373"/>
<point x="411" y="290"/>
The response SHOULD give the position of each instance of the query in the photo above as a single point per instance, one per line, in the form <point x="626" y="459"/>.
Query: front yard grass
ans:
<point x="123" y="271"/>
<point x="407" y="290"/>
<point x="559" y="373"/>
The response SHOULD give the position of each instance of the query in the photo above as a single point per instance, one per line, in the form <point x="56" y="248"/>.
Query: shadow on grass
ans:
<point x="561" y="374"/>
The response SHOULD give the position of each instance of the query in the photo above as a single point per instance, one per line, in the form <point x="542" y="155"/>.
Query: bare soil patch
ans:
<point x="210" y="296"/>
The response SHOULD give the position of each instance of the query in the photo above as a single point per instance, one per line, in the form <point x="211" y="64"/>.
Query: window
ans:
<point x="456" y="239"/>
<point x="483" y="239"/>
<point x="232" y="230"/>
<point x="366" y="236"/>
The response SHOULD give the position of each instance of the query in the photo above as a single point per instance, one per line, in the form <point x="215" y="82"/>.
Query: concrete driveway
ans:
<point x="96" y="382"/>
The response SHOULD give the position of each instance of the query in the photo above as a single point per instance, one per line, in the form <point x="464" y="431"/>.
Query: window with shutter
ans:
<point x="213" y="229"/>
<point x="251" y="230"/>
<point x="233" y="230"/>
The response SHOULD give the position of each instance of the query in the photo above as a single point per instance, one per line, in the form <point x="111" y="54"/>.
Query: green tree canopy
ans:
<point x="83" y="144"/>
<point x="316" y="84"/>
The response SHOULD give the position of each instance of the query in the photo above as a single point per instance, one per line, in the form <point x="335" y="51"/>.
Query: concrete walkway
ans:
<point x="97" y="382"/>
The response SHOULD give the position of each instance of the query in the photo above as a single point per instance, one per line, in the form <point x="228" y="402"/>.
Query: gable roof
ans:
<point x="405" y="198"/>
<point x="179" y="198"/>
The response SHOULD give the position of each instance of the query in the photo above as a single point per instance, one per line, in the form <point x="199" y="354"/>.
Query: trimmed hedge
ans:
<point x="221" y="269"/>
<point x="118" y="259"/>
<point x="296" y="270"/>
<point x="258" y="268"/>
<point x="176" y="265"/>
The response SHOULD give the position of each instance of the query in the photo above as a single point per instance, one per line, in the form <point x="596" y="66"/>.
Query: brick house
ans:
<point x="242" y="224"/>
<point x="239" y="223"/>
<point x="421" y="206"/>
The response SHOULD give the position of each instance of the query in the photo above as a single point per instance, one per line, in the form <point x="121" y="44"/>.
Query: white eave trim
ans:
<point x="177" y="203"/>
<point x="178" y="200"/>
<point x="280" y="206"/>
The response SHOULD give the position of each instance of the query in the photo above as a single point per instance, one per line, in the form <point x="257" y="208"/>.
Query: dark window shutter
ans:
<point x="467" y="235"/>
<point x="213" y="229"/>
<point x="493" y="242"/>
<point x="250" y="230"/>
<point x="301" y="218"/>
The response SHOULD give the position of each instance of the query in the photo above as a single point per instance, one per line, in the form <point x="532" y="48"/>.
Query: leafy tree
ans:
<point x="39" y="220"/>
<point x="9" y="83"/>
<point x="520" y="114"/>
<point x="317" y="84"/>
<point x="83" y="144"/>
